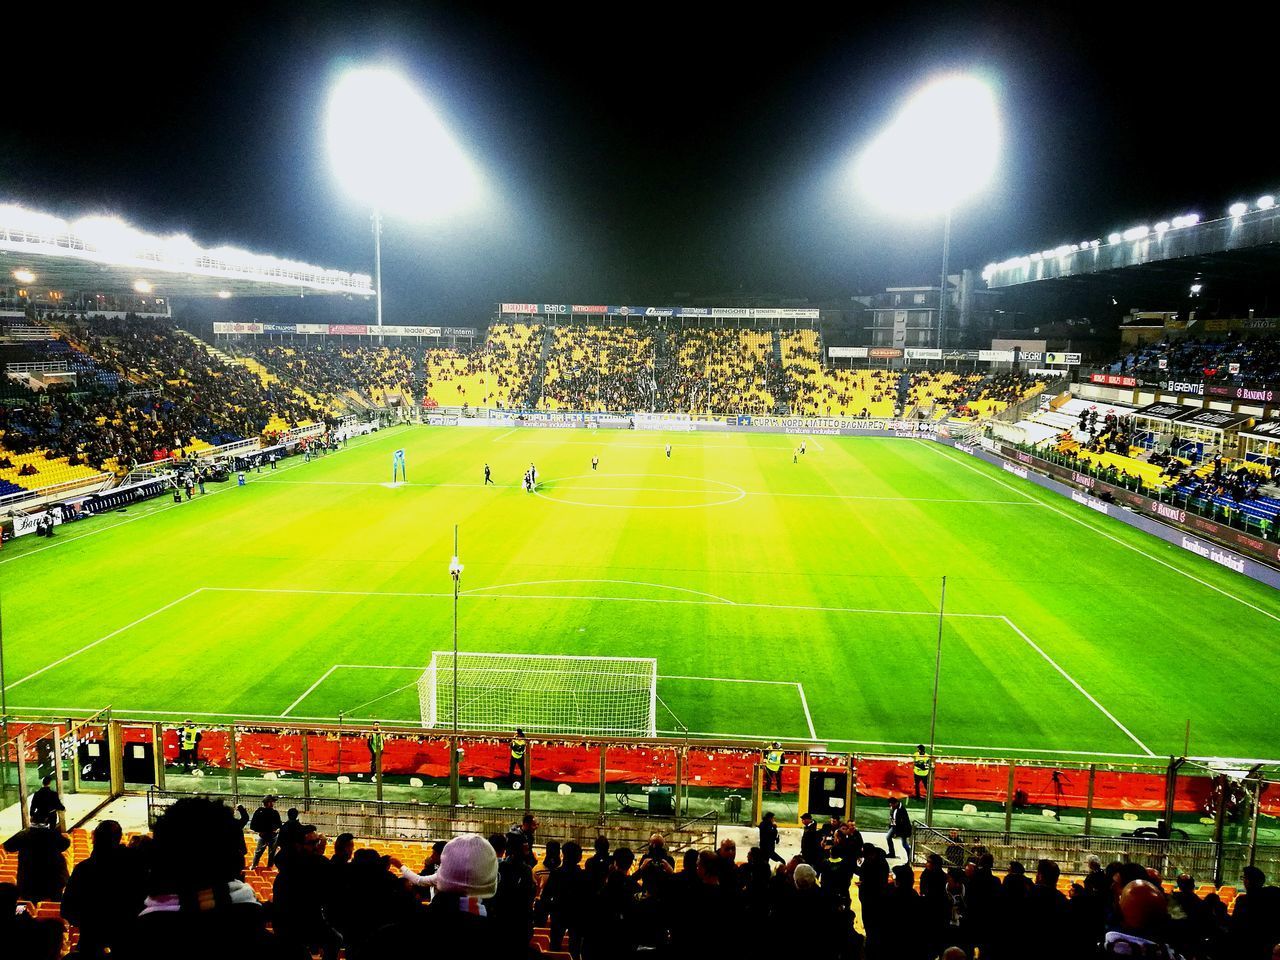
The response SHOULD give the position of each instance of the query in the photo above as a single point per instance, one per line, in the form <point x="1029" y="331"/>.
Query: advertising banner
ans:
<point x="420" y="331"/>
<point x="1258" y="394"/>
<point x="1113" y="379"/>
<point x="1163" y="411"/>
<point x="237" y="327"/>
<point x="25" y="523"/>
<point x="311" y="327"/>
<point x="348" y="329"/>
<point x="842" y="352"/>
<point x="1192" y="387"/>
<point x="995" y="356"/>
<point x="659" y="311"/>
<point x="740" y="312"/>
<point x="459" y="331"/>
<point x="624" y="311"/>
<point x="884" y="353"/>
<point x="923" y="353"/>
<point x="554" y="309"/>
<point x="693" y="312"/>
<point x="1214" y="419"/>
<point x="1066" y="359"/>
<point x="279" y="328"/>
<point x="1266" y="430"/>
<point x="519" y="308"/>
<point x="589" y="310"/>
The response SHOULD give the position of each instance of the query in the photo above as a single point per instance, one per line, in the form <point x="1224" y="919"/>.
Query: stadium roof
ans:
<point x="1245" y="243"/>
<point x="105" y="254"/>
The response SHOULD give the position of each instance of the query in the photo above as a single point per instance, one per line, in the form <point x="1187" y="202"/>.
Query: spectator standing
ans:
<point x="769" y="839"/>
<point x="46" y="804"/>
<point x="42" y="870"/>
<point x="100" y="898"/>
<point x="899" y="828"/>
<point x="266" y="824"/>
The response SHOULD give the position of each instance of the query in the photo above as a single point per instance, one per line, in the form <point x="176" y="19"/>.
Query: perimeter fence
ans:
<point x="402" y="781"/>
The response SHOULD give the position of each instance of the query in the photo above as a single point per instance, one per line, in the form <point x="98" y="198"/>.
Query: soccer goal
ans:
<point x="613" y="696"/>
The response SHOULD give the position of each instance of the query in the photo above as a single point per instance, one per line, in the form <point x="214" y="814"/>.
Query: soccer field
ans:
<point x="780" y="599"/>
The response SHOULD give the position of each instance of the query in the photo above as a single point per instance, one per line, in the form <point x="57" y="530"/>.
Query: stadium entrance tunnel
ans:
<point x="639" y="491"/>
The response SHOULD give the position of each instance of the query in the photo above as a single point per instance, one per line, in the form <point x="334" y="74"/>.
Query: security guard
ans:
<point x="374" y="742"/>
<point x="189" y="746"/>
<point x="920" y="764"/>
<point x="518" y="748"/>
<point x="773" y="767"/>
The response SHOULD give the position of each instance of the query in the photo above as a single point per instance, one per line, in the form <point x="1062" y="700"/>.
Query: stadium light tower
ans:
<point x="940" y="150"/>
<point x="391" y="152"/>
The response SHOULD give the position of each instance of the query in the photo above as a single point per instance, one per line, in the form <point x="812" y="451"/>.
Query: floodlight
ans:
<point x="391" y="151"/>
<point x="1114" y="238"/>
<point x="1266" y="202"/>
<point x="1062" y="251"/>
<point x="1238" y="209"/>
<point x="1136" y="233"/>
<point x="224" y="294"/>
<point x="941" y="148"/>
<point x="1196" y="288"/>
<point x="142" y="286"/>
<point x="24" y="276"/>
<point x="1162" y="226"/>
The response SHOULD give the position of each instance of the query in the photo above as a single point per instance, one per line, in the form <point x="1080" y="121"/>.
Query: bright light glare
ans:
<point x="24" y="276"/>
<point x="940" y="149"/>
<point x="1114" y="238"/>
<point x="390" y="150"/>
<point x="142" y="286"/>
<point x="1266" y="202"/>
<point x="224" y="294"/>
<point x="1238" y="209"/>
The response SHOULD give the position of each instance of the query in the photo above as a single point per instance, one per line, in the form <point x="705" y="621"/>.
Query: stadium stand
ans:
<point x="1258" y="359"/>
<point x="724" y="371"/>
<point x="143" y="391"/>
<point x="497" y="374"/>
<point x="820" y="392"/>
<point x="599" y="368"/>
<point x="138" y="895"/>
<point x="341" y="377"/>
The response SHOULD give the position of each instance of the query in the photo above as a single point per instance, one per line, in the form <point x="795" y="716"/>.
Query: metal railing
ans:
<point x="400" y="820"/>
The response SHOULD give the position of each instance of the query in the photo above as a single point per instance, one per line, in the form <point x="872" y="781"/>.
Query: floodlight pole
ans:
<point x="455" y="571"/>
<point x="933" y="719"/>
<point x="942" y="290"/>
<point x="377" y="266"/>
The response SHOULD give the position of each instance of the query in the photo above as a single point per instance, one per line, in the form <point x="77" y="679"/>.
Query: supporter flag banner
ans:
<point x="923" y="353"/>
<point x="841" y="352"/>
<point x="1066" y="359"/>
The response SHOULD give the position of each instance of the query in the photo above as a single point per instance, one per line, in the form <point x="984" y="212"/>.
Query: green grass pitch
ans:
<point x="796" y="600"/>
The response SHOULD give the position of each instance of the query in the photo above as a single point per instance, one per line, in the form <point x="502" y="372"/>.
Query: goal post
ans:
<point x="607" y="696"/>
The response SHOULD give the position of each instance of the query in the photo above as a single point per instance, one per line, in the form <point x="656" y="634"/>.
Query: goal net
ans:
<point x="614" y="696"/>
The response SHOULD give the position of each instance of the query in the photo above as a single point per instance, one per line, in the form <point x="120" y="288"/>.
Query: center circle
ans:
<point x="667" y="485"/>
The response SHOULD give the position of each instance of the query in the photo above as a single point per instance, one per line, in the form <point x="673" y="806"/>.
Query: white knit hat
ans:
<point x="805" y="876"/>
<point x="468" y="866"/>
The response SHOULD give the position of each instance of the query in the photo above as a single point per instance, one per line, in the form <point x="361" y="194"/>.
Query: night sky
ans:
<point x="637" y="154"/>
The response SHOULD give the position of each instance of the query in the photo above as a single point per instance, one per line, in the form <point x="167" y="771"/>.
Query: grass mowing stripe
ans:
<point x="1103" y="533"/>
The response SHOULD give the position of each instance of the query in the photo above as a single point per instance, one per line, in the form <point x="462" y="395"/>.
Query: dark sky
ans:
<point x="637" y="151"/>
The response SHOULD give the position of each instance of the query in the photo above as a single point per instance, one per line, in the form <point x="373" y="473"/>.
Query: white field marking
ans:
<point x="306" y="693"/>
<point x="659" y="445"/>
<point x="1103" y="533"/>
<point x="90" y="646"/>
<point x="1075" y="683"/>
<point x="656" y="506"/>
<point x="808" y="718"/>
<point x="776" y="683"/>
<point x="820" y="447"/>
<point x="501" y="435"/>
<point x="531" y="596"/>
<point x="152" y="513"/>
<point x="750" y="493"/>
<point x="390" y="693"/>
<point x="634" y="583"/>
<point x="348" y="666"/>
